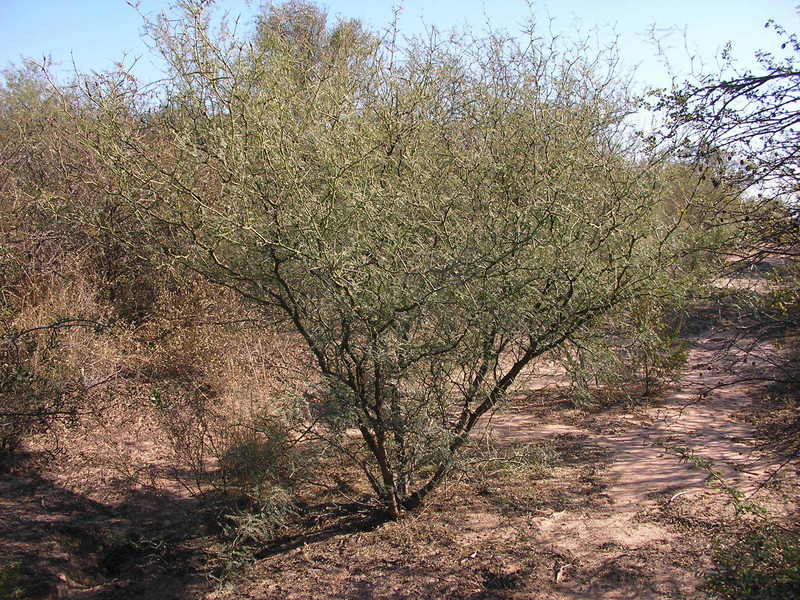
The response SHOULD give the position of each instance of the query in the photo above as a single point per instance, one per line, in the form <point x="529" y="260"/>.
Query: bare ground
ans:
<point x="620" y="512"/>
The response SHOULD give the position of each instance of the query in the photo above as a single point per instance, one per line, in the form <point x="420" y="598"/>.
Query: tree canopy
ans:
<point x="428" y="218"/>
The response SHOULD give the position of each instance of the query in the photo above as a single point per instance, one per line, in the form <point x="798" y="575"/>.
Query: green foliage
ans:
<point x="740" y="501"/>
<point x="270" y="512"/>
<point x="301" y="30"/>
<point x="631" y="358"/>
<point x="248" y="530"/>
<point x="427" y="220"/>
<point x="739" y="127"/>
<point x="763" y="564"/>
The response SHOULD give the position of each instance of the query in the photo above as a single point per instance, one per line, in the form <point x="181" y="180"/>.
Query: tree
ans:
<point x="301" y="27"/>
<point x="745" y="125"/>
<point x="428" y="221"/>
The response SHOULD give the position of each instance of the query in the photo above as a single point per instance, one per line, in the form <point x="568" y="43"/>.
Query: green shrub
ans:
<point x="764" y="564"/>
<point x="426" y="219"/>
<point x="633" y="355"/>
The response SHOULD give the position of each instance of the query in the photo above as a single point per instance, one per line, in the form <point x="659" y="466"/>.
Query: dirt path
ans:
<point x="640" y="475"/>
<point x="699" y="416"/>
<point x="617" y="515"/>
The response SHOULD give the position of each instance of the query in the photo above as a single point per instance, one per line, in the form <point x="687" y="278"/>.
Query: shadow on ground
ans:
<point x="55" y="543"/>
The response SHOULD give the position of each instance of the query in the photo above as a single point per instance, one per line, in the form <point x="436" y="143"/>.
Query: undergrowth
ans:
<point x="762" y="564"/>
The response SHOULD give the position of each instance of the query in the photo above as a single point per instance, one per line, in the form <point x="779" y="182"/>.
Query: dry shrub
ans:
<point x="231" y="425"/>
<point x="528" y="460"/>
<point x="58" y="355"/>
<point x="27" y="402"/>
<point x="61" y="346"/>
<point x="91" y="351"/>
<point x="187" y="393"/>
<point x="207" y="391"/>
<point x="260" y="454"/>
<point x="95" y="329"/>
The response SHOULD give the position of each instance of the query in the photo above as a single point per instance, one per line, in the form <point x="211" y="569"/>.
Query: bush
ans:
<point x="260" y="452"/>
<point x="30" y="400"/>
<point x="763" y="564"/>
<point x="631" y="357"/>
<point x="427" y="220"/>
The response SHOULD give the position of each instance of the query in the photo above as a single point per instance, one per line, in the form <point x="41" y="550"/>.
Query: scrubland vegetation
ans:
<point x="282" y="292"/>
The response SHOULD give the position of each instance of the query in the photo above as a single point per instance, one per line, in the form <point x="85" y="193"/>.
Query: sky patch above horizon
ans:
<point x="93" y="35"/>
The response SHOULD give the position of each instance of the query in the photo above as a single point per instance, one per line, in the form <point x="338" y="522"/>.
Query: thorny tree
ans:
<point x="429" y="220"/>
<point x="743" y="125"/>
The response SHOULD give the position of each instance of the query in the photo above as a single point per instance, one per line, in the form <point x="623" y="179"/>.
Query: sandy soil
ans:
<point x="644" y="471"/>
<point x="620" y="514"/>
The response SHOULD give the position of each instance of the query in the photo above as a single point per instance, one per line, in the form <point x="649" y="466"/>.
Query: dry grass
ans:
<point x="165" y="487"/>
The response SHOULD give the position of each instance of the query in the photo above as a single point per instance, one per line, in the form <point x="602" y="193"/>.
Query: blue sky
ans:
<point x="97" y="33"/>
